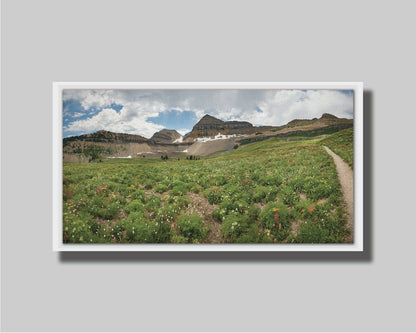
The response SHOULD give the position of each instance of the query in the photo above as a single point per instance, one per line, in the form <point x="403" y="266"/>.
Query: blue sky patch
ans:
<point x="72" y="110"/>
<point x="174" y="119"/>
<point x="116" y="107"/>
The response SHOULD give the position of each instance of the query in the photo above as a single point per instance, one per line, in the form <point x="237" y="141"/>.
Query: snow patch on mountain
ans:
<point x="179" y="140"/>
<point x="219" y="136"/>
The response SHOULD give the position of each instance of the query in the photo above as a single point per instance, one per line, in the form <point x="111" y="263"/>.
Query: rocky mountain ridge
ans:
<point x="107" y="136"/>
<point x="208" y="126"/>
<point x="207" y="136"/>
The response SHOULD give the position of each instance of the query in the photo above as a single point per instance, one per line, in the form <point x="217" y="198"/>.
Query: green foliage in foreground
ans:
<point x="342" y="144"/>
<point x="263" y="192"/>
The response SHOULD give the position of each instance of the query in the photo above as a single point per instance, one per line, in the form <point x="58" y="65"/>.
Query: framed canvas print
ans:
<point x="207" y="166"/>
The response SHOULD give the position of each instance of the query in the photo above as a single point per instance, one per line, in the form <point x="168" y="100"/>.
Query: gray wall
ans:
<point x="49" y="40"/>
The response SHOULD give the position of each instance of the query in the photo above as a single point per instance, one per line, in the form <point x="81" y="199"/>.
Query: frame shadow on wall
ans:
<point x="261" y="257"/>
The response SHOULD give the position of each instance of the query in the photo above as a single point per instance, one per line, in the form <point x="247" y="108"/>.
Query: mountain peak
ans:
<point x="166" y="136"/>
<point x="328" y="116"/>
<point x="210" y="126"/>
<point x="207" y="116"/>
<point x="209" y="119"/>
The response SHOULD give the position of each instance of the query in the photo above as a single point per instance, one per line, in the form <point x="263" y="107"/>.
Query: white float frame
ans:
<point x="356" y="246"/>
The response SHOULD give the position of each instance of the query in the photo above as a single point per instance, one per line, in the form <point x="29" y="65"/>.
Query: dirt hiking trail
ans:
<point x="346" y="178"/>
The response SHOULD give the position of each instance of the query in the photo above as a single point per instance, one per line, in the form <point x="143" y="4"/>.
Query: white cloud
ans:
<point x="90" y="98"/>
<point x="278" y="107"/>
<point x="287" y="105"/>
<point x="77" y="115"/>
<point x="119" y="122"/>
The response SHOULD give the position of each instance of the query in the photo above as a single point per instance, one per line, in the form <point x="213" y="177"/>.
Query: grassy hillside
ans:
<point x="342" y="143"/>
<point x="263" y="192"/>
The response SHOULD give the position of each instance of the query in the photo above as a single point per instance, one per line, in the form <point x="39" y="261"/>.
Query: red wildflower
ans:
<point x="276" y="217"/>
<point x="66" y="236"/>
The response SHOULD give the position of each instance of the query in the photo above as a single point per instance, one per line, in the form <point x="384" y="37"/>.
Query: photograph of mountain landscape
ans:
<point x="207" y="166"/>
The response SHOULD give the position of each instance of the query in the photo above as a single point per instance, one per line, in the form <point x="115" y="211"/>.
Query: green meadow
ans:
<point x="270" y="191"/>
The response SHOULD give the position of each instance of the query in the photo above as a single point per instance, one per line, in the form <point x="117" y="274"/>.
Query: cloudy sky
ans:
<point x="145" y="112"/>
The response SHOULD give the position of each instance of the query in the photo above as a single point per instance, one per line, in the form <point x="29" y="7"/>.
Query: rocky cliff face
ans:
<point x="326" y="118"/>
<point x="166" y="136"/>
<point x="210" y="126"/>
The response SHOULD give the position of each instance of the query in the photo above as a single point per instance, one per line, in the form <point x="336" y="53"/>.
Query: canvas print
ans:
<point x="207" y="166"/>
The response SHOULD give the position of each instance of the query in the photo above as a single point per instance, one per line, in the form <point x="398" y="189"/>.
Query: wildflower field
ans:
<point x="263" y="192"/>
